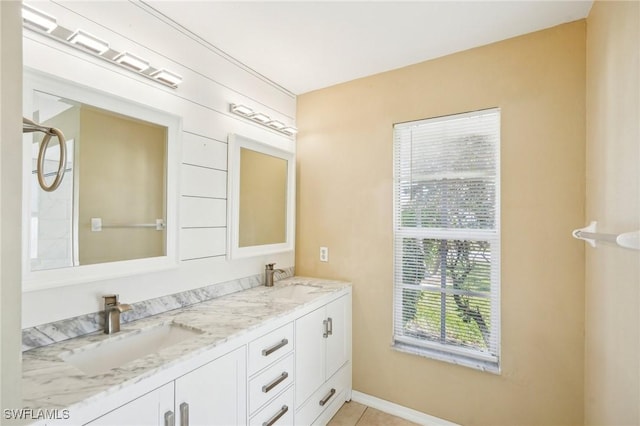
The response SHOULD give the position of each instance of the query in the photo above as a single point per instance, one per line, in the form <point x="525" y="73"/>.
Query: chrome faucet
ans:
<point x="112" y="310"/>
<point x="268" y="274"/>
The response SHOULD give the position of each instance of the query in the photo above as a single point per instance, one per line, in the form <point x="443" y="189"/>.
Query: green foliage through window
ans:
<point x="451" y="302"/>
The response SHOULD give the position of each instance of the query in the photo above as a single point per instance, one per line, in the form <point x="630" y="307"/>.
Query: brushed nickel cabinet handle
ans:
<point x="272" y="349"/>
<point x="184" y="414"/>
<point x="266" y="388"/>
<point x="169" y="419"/>
<point x="276" y="416"/>
<point x="330" y="326"/>
<point x="325" y="324"/>
<point x="326" y="399"/>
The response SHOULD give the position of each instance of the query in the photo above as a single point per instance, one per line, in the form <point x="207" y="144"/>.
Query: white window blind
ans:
<point x="447" y="238"/>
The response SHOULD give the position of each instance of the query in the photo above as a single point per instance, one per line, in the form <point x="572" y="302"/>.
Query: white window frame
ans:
<point x="422" y="346"/>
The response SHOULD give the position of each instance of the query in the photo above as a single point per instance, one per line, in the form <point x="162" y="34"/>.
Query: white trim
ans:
<point x="399" y="410"/>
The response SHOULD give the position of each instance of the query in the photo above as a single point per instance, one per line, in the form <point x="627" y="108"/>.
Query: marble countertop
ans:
<point x="50" y="382"/>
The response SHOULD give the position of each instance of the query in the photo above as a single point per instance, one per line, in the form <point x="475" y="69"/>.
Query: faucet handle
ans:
<point x="111" y="299"/>
<point x="269" y="266"/>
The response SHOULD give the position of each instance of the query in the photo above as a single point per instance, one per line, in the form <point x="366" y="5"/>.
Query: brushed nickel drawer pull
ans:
<point x="277" y="416"/>
<point x="266" y="388"/>
<point x="325" y="324"/>
<point x="184" y="414"/>
<point x="269" y="351"/>
<point x="326" y="399"/>
<point x="330" y="327"/>
<point x="169" y="419"/>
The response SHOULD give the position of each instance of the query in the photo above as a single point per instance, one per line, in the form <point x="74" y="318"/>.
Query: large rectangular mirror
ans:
<point x="261" y="198"/>
<point x="114" y="211"/>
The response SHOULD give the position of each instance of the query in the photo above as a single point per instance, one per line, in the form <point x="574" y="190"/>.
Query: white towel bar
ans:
<point x="629" y="240"/>
<point x="97" y="225"/>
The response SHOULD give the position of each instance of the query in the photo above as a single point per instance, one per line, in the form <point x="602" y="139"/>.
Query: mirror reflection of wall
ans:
<point x="51" y="226"/>
<point x="116" y="171"/>
<point x="51" y="231"/>
<point x="121" y="174"/>
<point x="263" y="199"/>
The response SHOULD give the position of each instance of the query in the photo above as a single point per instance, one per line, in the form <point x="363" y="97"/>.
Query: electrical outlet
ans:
<point x="96" y="224"/>
<point x="324" y="254"/>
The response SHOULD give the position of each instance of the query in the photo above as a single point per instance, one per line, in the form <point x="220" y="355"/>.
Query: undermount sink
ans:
<point x="99" y="358"/>
<point x="293" y="291"/>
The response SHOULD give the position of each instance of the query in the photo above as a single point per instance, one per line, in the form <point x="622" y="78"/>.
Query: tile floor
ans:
<point x="352" y="414"/>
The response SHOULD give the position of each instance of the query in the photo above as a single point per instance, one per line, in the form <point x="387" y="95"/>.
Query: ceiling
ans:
<point x="307" y="45"/>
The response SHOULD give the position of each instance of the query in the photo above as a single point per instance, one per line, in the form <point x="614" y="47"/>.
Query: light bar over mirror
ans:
<point x="263" y="119"/>
<point x="43" y="23"/>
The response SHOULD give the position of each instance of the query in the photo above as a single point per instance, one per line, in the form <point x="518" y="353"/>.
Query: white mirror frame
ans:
<point x="236" y="143"/>
<point x="39" y="280"/>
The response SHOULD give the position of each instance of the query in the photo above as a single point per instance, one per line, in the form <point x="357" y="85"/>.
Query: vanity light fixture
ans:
<point x="45" y="24"/>
<point x="275" y="124"/>
<point x="167" y="77"/>
<point x="88" y="41"/>
<point x="38" y="19"/>
<point x="263" y="119"/>
<point x="133" y="61"/>
<point x="241" y="110"/>
<point x="260" y="117"/>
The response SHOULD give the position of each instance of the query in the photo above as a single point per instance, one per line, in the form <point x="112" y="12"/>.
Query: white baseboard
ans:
<point x="399" y="410"/>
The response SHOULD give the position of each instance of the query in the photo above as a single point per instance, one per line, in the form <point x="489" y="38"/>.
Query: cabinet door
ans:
<point x="215" y="393"/>
<point x="310" y="354"/>
<point x="336" y="351"/>
<point x="147" y="410"/>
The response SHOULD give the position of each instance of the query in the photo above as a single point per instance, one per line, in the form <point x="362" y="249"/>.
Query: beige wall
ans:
<point x="122" y="180"/>
<point x="345" y="203"/>
<point x="10" y="204"/>
<point x="612" y="349"/>
<point x="263" y="199"/>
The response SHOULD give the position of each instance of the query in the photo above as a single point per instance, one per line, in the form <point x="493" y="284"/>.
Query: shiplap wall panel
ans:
<point x="196" y="243"/>
<point x="162" y="40"/>
<point x="203" y="151"/>
<point x="203" y="182"/>
<point x="201" y="119"/>
<point x="197" y="212"/>
<point x="211" y="82"/>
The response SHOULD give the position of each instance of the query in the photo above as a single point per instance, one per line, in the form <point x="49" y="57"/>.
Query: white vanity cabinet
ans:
<point x="211" y="395"/>
<point x="147" y="410"/>
<point x="294" y="369"/>
<point x="214" y="394"/>
<point x="323" y="353"/>
<point x="271" y="370"/>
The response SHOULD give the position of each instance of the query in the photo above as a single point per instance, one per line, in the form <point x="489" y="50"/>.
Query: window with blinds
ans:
<point x="447" y="238"/>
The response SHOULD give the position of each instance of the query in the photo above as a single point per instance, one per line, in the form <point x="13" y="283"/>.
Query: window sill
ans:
<point x="465" y="361"/>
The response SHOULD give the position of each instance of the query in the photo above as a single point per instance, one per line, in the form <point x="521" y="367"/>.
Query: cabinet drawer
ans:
<point x="270" y="382"/>
<point x="270" y="347"/>
<point x="278" y="412"/>
<point x="331" y="409"/>
<point x="323" y="397"/>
